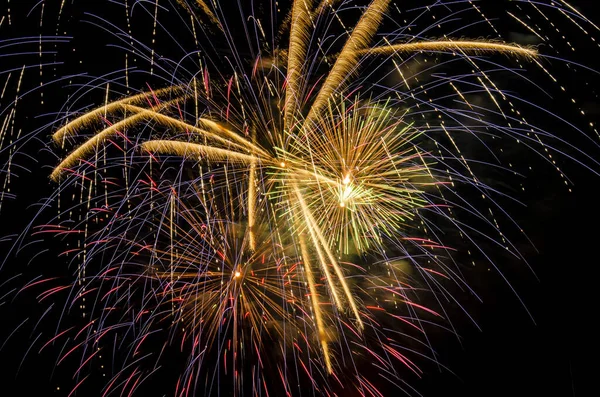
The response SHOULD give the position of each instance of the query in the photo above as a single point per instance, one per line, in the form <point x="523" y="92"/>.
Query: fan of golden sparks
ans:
<point x="333" y="174"/>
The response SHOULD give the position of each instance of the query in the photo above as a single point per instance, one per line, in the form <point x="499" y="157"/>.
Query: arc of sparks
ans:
<point x="92" y="116"/>
<point x="314" y="297"/>
<point x="299" y="39"/>
<point x="188" y="149"/>
<point x="92" y="144"/>
<point x="206" y="9"/>
<point x="319" y="241"/>
<point x="216" y="134"/>
<point x="349" y="57"/>
<point x="251" y="205"/>
<point x="453" y="45"/>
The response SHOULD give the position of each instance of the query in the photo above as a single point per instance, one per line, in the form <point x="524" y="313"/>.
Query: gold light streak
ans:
<point x="195" y="150"/>
<point x="348" y="59"/>
<point x="251" y="207"/>
<point x="317" y="246"/>
<point x="93" y="143"/>
<point x="314" y="297"/>
<point x="475" y="46"/>
<point x="206" y="9"/>
<point x="95" y="115"/>
<point x="299" y="39"/>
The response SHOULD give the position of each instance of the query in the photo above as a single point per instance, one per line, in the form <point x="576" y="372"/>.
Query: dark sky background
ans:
<point x="511" y="356"/>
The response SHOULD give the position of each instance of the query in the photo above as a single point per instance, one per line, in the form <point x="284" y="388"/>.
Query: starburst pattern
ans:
<point x="284" y="221"/>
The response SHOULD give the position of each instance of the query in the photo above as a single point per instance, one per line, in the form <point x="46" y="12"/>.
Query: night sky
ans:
<point x="544" y="349"/>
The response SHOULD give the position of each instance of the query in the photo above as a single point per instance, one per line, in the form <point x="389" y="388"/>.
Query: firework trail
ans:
<point x="289" y="202"/>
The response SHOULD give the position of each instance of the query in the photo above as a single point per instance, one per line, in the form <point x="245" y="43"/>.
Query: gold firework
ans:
<point x="336" y="175"/>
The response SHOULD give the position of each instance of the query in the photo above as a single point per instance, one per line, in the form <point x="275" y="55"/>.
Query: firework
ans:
<point x="299" y="214"/>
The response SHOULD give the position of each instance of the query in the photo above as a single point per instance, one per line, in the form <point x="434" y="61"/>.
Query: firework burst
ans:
<point x="293" y="218"/>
